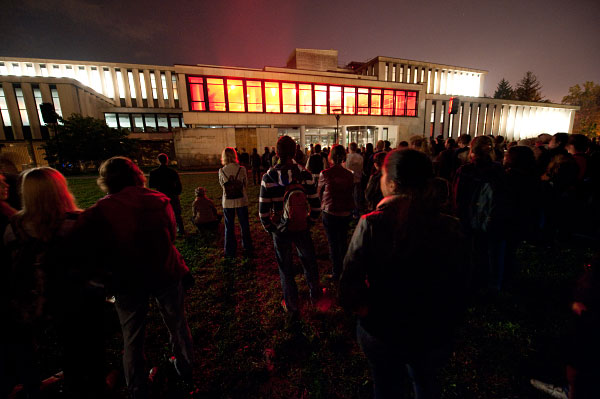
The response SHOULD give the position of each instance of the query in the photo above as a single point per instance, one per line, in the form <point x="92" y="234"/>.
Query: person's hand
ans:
<point x="578" y="308"/>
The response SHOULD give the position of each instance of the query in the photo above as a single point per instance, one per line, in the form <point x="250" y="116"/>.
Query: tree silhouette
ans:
<point x="529" y="89"/>
<point x="587" y="119"/>
<point x="504" y="90"/>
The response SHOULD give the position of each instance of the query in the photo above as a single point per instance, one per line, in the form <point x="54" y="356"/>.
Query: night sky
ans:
<point x="558" y="40"/>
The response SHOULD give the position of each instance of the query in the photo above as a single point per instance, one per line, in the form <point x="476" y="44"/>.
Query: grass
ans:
<point x="243" y="348"/>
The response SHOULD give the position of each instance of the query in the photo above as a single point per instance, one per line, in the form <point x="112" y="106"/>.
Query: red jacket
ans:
<point x="131" y="235"/>
<point x="336" y="190"/>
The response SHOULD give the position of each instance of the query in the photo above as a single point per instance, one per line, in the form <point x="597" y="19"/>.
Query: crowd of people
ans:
<point x="437" y="224"/>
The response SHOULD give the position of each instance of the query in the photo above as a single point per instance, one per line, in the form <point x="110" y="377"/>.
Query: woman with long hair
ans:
<point x="234" y="180"/>
<point x="403" y="277"/>
<point x="36" y="240"/>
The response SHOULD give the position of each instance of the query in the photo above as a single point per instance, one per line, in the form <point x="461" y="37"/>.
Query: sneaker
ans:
<point x="552" y="390"/>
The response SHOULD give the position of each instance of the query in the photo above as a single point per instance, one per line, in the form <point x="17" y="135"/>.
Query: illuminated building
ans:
<point x="199" y="109"/>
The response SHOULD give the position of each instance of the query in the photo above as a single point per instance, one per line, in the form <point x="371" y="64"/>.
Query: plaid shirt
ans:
<point x="272" y="191"/>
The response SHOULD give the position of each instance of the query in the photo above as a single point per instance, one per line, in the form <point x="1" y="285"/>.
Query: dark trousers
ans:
<point x="256" y="176"/>
<point x="489" y="253"/>
<point x="390" y="362"/>
<point x="230" y="240"/>
<point x="336" y="228"/>
<point x="306" y="251"/>
<point x="176" y="205"/>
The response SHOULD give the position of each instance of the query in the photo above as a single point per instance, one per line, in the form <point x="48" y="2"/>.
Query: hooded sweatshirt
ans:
<point x="131" y="235"/>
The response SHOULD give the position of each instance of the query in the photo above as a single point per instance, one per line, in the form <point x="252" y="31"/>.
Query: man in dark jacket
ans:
<point x="166" y="180"/>
<point x="130" y="233"/>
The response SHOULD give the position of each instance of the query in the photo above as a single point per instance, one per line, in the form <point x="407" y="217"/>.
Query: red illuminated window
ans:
<point x="305" y="97"/>
<point x="411" y="104"/>
<point x="363" y="101"/>
<point x="375" y="101"/>
<point x="335" y="99"/>
<point x="349" y="100"/>
<point x="388" y="102"/>
<point x="288" y="91"/>
<point x="400" y="109"/>
<point x="321" y="99"/>
<point x="197" y="93"/>
<point x="235" y="95"/>
<point x="272" y="97"/>
<point x="254" y="96"/>
<point x="216" y="94"/>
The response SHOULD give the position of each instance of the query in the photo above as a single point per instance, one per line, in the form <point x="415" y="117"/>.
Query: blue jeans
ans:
<point x="230" y="240"/>
<point x="132" y="310"/>
<point x="390" y="362"/>
<point x="336" y="228"/>
<point x="306" y="251"/>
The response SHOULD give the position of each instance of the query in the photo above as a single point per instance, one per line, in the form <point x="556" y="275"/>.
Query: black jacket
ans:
<point x="165" y="180"/>
<point x="405" y="265"/>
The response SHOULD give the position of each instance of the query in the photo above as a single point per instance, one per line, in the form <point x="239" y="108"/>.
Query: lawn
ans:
<point x="244" y="348"/>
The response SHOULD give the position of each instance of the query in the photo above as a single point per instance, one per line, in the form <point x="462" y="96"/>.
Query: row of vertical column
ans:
<point x="513" y="121"/>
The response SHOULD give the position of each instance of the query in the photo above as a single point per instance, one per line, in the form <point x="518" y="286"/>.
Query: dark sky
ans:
<point x="558" y="40"/>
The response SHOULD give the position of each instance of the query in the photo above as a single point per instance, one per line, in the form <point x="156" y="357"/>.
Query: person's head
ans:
<point x="559" y="140"/>
<point x="3" y="188"/>
<point x="380" y="145"/>
<point x="450" y="143"/>
<point x="499" y="141"/>
<point x="419" y="143"/>
<point x="481" y="149"/>
<point x="403" y="145"/>
<point x="286" y="148"/>
<point x="317" y="148"/>
<point x="578" y="144"/>
<point x="200" y="192"/>
<point x="338" y="154"/>
<point x="45" y="199"/>
<point x="405" y="172"/>
<point x="266" y="150"/>
<point x="243" y="149"/>
<point x="464" y="140"/>
<point x="369" y="148"/>
<point x="254" y="151"/>
<point x="116" y="173"/>
<point x="378" y="160"/>
<point x="229" y="155"/>
<point x="439" y="139"/>
<point x="387" y="145"/>
<point x="520" y="158"/>
<point x="544" y="138"/>
<point x="163" y="159"/>
<point x="353" y="147"/>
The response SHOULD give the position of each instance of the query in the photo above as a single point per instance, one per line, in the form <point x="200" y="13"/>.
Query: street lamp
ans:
<point x="337" y="122"/>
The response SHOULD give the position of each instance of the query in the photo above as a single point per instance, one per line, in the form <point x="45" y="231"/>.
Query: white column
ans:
<point x="465" y="117"/>
<point x="159" y="92"/>
<point x="138" y="90"/>
<point x="303" y="138"/>
<point x="439" y="108"/>
<point x="571" y="121"/>
<point x="342" y="135"/>
<point x="455" y="123"/>
<point x="170" y="89"/>
<point x="481" y="120"/>
<point x="496" y="123"/>
<point x="447" y="118"/>
<point x="182" y="85"/>
<point x="489" y="119"/>
<point x="31" y="109"/>
<point x="407" y="71"/>
<point x="148" y="84"/>
<point x="427" y="118"/>
<point x="473" y="120"/>
<point x="504" y="121"/>
<point x="117" y="98"/>
<point x="518" y="122"/>
<point x="436" y="89"/>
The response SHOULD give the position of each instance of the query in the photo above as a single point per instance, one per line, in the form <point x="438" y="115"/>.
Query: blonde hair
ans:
<point x="229" y="155"/>
<point x="45" y="199"/>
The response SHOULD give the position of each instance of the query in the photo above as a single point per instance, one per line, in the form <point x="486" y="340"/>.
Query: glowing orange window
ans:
<point x="254" y="96"/>
<point x="321" y="99"/>
<point x="197" y="93"/>
<point x="400" y="109"/>
<point x="288" y="91"/>
<point x="349" y="100"/>
<point x="335" y="99"/>
<point x="388" y="102"/>
<point x="272" y="97"/>
<point x="375" y="101"/>
<point x="363" y="101"/>
<point x="216" y="94"/>
<point x="411" y="104"/>
<point x="305" y="98"/>
<point x="235" y="95"/>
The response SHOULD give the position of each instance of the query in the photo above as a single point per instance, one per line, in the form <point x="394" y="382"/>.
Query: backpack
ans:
<point x="295" y="210"/>
<point x="234" y="188"/>
<point x="484" y="208"/>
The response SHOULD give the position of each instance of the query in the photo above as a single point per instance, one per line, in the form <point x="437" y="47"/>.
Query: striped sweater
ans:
<point x="272" y="191"/>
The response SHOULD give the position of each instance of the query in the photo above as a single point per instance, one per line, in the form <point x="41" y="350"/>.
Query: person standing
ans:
<point x="284" y="181"/>
<point x="335" y="191"/>
<point x="354" y="163"/>
<point x="234" y="180"/>
<point x="131" y="234"/>
<point x="255" y="163"/>
<point x="166" y="180"/>
<point x="403" y="277"/>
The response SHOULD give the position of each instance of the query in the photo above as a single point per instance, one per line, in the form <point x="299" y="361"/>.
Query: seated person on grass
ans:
<point x="204" y="212"/>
